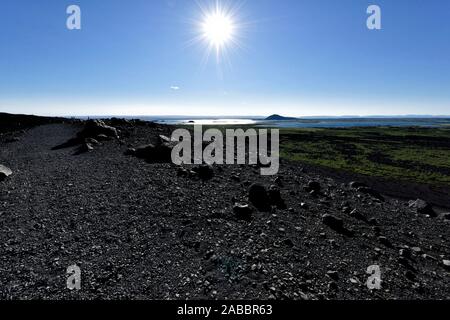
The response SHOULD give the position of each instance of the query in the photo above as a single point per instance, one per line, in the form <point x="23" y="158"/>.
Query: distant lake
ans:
<point x="209" y="122"/>
<point x="310" y="122"/>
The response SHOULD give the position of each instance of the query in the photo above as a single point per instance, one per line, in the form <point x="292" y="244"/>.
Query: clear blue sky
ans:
<point x="298" y="57"/>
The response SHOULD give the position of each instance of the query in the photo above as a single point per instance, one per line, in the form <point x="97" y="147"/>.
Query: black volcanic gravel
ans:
<point x="142" y="231"/>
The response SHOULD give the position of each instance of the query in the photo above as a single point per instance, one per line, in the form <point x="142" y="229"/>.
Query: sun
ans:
<point x="218" y="28"/>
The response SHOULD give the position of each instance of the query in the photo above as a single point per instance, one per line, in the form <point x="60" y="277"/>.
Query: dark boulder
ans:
<point x="93" y="132"/>
<point x="182" y="172"/>
<point x="259" y="197"/>
<point x="94" y="128"/>
<point x="333" y="222"/>
<point x="242" y="211"/>
<point x="204" y="171"/>
<point x="411" y="276"/>
<point x="334" y="275"/>
<point x="422" y="207"/>
<point x="337" y="224"/>
<point x="278" y="181"/>
<point x="161" y="152"/>
<point x="143" y="151"/>
<point x="4" y="172"/>
<point x="275" y="197"/>
<point x="288" y="242"/>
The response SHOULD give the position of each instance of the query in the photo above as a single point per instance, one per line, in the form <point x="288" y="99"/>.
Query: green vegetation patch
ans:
<point x="414" y="154"/>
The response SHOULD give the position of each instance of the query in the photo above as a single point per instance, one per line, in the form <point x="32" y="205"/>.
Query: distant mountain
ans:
<point x="277" y="117"/>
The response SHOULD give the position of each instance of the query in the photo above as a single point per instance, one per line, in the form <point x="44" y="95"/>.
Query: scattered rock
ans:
<point x="84" y="147"/>
<point x="346" y="210"/>
<point x="332" y="221"/>
<point x="130" y="152"/>
<point x="371" y="192"/>
<point x="405" y="262"/>
<point x="235" y="178"/>
<point x="445" y="216"/>
<point x="93" y="132"/>
<point x="358" y="215"/>
<point x="356" y="185"/>
<point x="422" y="207"/>
<point x="279" y="181"/>
<point x="102" y="137"/>
<point x="288" y="243"/>
<point x="376" y="230"/>
<point x="410" y="275"/>
<point x="416" y="250"/>
<point x="406" y="253"/>
<point x="446" y="264"/>
<point x="334" y="275"/>
<point x="275" y="197"/>
<point x="4" y="172"/>
<point x="92" y="141"/>
<point x="428" y="257"/>
<point x="385" y="241"/>
<point x="333" y="286"/>
<point x="335" y="223"/>
<point x="314" y="186"/>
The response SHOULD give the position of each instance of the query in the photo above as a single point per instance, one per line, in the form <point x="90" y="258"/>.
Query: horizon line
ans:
<point x="237" y="116"/>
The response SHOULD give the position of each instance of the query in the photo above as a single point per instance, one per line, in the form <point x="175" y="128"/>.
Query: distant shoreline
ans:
<point x="317" y="123"/>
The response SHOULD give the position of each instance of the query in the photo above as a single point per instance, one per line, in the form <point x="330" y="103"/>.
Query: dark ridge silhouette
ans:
<point x="277" y="117"/>
<point x="17" y="122"/>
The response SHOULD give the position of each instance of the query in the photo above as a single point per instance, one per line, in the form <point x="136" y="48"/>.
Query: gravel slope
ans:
<point x="141" y="231"/>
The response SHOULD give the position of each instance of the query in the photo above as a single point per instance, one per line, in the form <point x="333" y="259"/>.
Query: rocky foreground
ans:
<point x="105" y="197"/>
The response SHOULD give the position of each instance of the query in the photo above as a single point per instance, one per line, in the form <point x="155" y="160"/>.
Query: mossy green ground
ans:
<point x="415" y="154"/>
